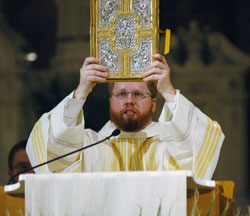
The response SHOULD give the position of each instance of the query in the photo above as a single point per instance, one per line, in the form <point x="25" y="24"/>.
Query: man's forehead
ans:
<point x="131" y="86"/>
<point x="20" y="155"/>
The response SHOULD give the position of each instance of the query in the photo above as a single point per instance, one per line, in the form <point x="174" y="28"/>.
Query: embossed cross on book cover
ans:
<point x="123" y="36"/>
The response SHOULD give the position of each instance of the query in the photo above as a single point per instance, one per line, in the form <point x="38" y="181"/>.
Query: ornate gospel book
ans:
<point x="123" y="36"/>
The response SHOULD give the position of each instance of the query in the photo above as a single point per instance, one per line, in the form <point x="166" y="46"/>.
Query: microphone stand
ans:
<point x="114" y="133"/>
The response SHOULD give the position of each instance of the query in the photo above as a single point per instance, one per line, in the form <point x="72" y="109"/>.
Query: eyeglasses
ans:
<point x="138" y="95"/>
<point x="22" y="166"/>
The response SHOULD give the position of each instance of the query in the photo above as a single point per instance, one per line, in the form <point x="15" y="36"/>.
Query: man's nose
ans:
<point x="130" y="98"/>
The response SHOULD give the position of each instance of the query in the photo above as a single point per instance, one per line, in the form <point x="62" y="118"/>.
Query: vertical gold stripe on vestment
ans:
<point x="38" y="145"/>
<point x="211" y="150"/>
<point x="133" y="154"/>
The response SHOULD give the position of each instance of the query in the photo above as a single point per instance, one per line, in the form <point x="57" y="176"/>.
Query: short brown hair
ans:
<point x="14" y="149"/>
<point x="151" y="87"/>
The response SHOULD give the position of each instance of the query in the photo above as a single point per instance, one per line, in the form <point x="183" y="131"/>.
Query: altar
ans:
<point x="121" y="193"/>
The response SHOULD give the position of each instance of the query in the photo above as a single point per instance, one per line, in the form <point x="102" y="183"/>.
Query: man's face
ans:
<point x="20" y="162"/>
<point x="131" y="111"/>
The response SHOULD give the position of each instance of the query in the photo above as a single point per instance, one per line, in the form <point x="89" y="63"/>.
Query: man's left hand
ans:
<point x="159" y="71"/>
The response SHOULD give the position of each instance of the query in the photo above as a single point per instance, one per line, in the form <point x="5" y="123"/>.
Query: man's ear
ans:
<point x="154" y="103"/>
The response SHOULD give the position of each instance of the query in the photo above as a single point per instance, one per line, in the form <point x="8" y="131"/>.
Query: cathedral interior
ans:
<point x="209" y="59"/>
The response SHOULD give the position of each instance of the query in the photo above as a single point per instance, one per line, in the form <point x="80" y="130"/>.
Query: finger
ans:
<point x="153" y="71"/>
<point x="97" y="79"/>
<point x="96" y="73"/>
<point x="158" y="57"/>
<point x="154" y="77"/>
<point x="90" y="60"/>
<point x="155" y="64"/>
<point x="95" y="67"/>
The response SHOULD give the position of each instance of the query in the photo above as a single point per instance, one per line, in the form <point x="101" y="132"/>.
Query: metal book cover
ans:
<point x="123" y="36"/>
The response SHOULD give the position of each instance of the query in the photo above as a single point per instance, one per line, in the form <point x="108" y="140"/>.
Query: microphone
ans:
<point x="114" y="133"/>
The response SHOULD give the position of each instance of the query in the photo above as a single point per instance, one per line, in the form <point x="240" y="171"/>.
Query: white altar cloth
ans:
<point x="106" y="194"/>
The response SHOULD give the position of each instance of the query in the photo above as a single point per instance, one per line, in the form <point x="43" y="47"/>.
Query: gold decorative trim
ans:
<point x="124" y="35"/>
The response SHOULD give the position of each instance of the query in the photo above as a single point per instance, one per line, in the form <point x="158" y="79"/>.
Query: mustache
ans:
<point x="129" y="108"/>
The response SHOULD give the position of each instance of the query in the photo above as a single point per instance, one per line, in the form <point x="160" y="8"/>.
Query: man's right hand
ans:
<point x="90" y="73"/>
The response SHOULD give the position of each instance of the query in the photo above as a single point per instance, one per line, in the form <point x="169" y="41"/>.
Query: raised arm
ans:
<point x="196" y="140"/>
<point x="159" y="72"/>
<point x="90" y="73"/>
<point x="62" y="129"/>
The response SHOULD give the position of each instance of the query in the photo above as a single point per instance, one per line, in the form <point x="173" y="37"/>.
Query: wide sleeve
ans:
<point x="56" y="133"/>
<point x="194" y="140"/>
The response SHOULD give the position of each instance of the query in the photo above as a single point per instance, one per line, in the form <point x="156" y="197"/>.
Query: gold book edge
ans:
<point x="124" y="73"/>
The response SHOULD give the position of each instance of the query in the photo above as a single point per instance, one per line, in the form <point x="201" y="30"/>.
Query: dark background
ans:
<point x="36" y="20"/>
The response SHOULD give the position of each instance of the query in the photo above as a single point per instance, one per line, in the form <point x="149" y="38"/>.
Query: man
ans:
<point x="184" y="138"/>
<point x="18" y="160"/>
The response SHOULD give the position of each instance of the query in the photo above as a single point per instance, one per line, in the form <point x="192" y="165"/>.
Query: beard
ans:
<point x="131" y="123"/>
